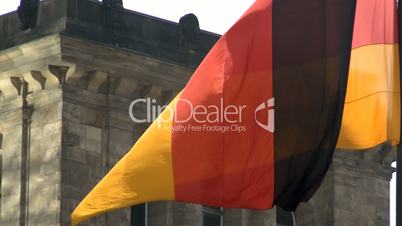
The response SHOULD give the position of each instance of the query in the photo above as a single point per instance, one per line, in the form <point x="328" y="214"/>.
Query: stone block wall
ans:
<point x="319" y="210"/>
<point x="361" y="188"/>
<point x="81" y="156"/>
<point x="243" y="217"/>
<point x="31" y="181"/>
<point x="356" y="190"/>
<point x="44" y="158"/>
<point x="97" y="132"/>
<point x="160" y="213"/>
<point x="11" y="128"/>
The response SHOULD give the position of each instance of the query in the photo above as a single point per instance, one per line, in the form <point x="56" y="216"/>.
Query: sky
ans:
<point x="214" y="15"/>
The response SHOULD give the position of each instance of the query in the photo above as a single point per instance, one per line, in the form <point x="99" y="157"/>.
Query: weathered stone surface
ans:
<point x="124" y="86"/>
<point x="95" y="80"/>
<point x="35" y="80"/>
<point x="152" y="91"/>
<point x="118" y="218"/>
<point x="10" y="87"/>
<point x="75" y="73"/>
<point x="187" y="214"/>
<point x="76" y="154"/>
<point x="92" y="142"/>
<point x="160" y="213"/>
<point x="235" y="217"/>
<point x="262" y="218"/>
<point x="354" y="192"/>
<point x="243" y="217"/>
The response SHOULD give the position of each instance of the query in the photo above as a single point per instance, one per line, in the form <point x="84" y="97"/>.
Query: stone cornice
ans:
<point x="375" y="161"/>
<point x="59" y="60"/>
<point x="182" y="43"/>
<point x="32" y="56"/>
<point x="124" y="63"/>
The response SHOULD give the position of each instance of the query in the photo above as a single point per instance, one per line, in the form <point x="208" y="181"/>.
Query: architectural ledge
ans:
<point x="58" y="59"/>
<point x="375" y="160"/>
<point x="182" y="43"/>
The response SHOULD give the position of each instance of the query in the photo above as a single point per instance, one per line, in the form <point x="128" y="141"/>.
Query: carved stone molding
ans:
<point x="124" y="86"/>
<point x="374" y="161"/>
<point x="375" y="155"/>
<point x="95" y="80"/>
<point x="10" y="87"/>
<point x="17" y="82"/>
<point x="55" y="75"/>
<point x="128" y="65"/>
<point x="75" y="73"/>
<point x="35" y="80"/>
<point x="51" y="79"/>
<point x="152" y="91"/>
<point x="59" y="71"/>
<point x="51" y="76"/>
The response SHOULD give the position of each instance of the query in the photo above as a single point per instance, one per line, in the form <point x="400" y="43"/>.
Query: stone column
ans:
<point x="25" y="155"/>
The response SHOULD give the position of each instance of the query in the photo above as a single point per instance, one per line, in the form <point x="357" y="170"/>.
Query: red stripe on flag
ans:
<point x="231" y="168"/>
<point x="375" y="23"/>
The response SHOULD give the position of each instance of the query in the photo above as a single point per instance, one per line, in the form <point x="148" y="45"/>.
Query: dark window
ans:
<point x="139" y="215"/>
<point x="212" y="216"/>
<point x="284" y="218"/>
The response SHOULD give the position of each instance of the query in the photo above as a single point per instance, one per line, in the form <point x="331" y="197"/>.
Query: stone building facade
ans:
<point x="69" y="70"/>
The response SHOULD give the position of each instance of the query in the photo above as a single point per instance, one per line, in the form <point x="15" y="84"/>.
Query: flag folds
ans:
<point x="372" y="105"/>
<point x="256" y="125"/>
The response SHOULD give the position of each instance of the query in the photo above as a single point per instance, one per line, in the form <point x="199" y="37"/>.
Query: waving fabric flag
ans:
<point x="257" y="124"/>
<point x="372" y="105"/>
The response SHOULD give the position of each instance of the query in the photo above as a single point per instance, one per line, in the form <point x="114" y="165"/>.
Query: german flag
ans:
<point x="257" y="124"/>
<point x="372" y="105"/>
